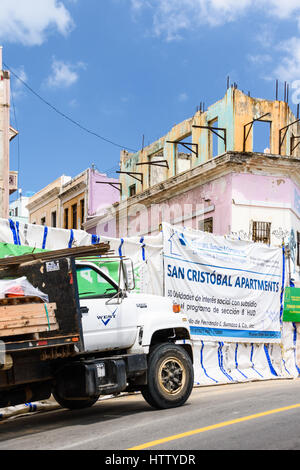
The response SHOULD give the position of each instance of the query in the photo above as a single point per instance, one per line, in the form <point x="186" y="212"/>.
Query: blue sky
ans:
<point x="128" y="68"/>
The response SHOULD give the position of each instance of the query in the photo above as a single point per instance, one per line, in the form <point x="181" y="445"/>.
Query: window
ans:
<point x="206" y="225"/>
<point x="184" y="153"/>
<point x="298" y="248"/>
<point x="82" y="210"/>
<point x="92" y="284"/>
<point x="66" y="217"/>
<point x="132" y="190"/>
<point x="74" y="216"/>
<point x="261" y="232"/>
<point x="53" y="219"/>
<point x="43" y="221"/>
<point x="261" y="136"/>
<point x="157" y="172"/>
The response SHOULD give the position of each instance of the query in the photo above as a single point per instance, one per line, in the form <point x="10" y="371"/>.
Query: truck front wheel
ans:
<point x="170" y="377"/>
<point x="75" y="404"/>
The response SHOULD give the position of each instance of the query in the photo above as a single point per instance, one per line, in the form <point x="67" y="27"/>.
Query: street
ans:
<point x="246" y="416"/>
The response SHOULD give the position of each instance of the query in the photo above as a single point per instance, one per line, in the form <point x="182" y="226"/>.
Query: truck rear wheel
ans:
<point x="170" y="377"/>
<point x="75" y="404"/>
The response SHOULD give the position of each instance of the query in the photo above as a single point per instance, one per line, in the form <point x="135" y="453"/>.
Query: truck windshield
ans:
<point x="92" y="284"/>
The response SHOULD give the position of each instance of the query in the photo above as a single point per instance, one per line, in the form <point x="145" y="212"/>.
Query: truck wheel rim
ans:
<point x="172" y="376"/>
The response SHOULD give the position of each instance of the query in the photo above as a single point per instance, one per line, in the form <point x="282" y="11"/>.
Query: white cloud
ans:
<point x="170" y="18"/>
<point x="283" y="9"/>
<point x="17" y="87"/>
<point x="289" y="67"/>
<point x="260" y="59"/>
<point x="29" y="22"/>
<point x="63" y="74"/>
<point x="182" y="97"/>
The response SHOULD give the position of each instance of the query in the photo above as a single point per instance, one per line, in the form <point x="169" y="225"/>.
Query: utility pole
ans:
<point x="7" y="133"/>
<point x="4" y="139"/>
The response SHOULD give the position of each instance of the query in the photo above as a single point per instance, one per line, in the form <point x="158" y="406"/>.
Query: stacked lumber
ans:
<point x="99" y="249"/>
<point x="26" y="315"/>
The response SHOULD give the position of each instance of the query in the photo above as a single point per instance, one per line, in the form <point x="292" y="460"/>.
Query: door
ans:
<point x="106" y="323"/>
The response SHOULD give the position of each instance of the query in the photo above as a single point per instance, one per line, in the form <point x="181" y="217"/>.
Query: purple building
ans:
<point x="102" y="193"/>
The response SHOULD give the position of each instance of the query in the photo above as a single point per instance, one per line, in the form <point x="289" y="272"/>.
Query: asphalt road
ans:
<point x="251" y="416"/>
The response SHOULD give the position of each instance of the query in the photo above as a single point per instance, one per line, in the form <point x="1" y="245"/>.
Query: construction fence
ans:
<point x="231" y="291"/>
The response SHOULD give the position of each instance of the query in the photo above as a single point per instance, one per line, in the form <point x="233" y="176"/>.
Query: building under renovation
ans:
<point x="208" y="172"/>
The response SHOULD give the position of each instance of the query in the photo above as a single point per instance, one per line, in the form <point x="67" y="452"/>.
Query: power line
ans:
<point x="64" y="115"/>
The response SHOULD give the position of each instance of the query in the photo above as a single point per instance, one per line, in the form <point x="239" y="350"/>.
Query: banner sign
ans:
<point x="291" y="309"/>
<point x="230" y="290"/>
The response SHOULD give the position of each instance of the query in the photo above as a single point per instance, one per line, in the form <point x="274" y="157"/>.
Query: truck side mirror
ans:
<point x="128" y="274"/>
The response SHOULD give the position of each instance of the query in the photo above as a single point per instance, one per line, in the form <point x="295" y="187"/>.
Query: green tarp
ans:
<point x="8" y="249"/>
<point x="87" y="281"/>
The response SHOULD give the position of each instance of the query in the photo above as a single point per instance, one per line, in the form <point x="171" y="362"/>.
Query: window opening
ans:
<point x="82" y="210"/>
<point x="132" y="190"/>
<point x="157" y="174"/>
<point x="74" y="216"/>
<point x="262" y="136"/>
<point x="206" y="225"/>
<point x="66" y="217"/>
<point x="261" y="232"/>
<point x="53" y="219"/>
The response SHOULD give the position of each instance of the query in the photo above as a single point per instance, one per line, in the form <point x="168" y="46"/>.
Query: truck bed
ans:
<point x="29" y="323"/>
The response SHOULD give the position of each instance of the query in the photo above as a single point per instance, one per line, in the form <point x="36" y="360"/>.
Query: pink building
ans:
<point x="102" y="192"/>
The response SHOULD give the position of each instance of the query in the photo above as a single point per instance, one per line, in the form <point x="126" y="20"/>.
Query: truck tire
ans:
<point x="170" y="377"/>
<point x="75" y="404"/>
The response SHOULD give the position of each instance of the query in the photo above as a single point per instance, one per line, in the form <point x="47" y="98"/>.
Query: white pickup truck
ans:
<point x="119" y="341"/>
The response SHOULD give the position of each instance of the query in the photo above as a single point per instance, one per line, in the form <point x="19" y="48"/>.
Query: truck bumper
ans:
<point x="90" y="378"/>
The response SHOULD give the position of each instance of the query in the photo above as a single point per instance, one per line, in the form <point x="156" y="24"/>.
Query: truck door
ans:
<point x="106" y="324"/>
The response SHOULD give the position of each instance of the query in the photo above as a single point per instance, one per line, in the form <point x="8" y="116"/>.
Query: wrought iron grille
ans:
<point x="261" y="232"/>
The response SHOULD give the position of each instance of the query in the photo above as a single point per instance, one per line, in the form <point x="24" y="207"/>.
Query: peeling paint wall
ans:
<point x="237" y="113"/>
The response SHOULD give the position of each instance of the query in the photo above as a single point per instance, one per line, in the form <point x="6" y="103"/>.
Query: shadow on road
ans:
<point x="43" y="421"/>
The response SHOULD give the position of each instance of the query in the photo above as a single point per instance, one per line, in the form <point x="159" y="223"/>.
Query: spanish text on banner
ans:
<point x="230" y="290"/>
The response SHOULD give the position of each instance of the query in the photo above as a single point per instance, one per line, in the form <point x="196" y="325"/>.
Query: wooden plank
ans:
<point x="4" y="312"/>
<point x="5" y="319"/>
<point x="26" y="309"/>
<point x="27" y="318"/>
<point x="27" y="330"/>
<point x="26" y="322"/>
